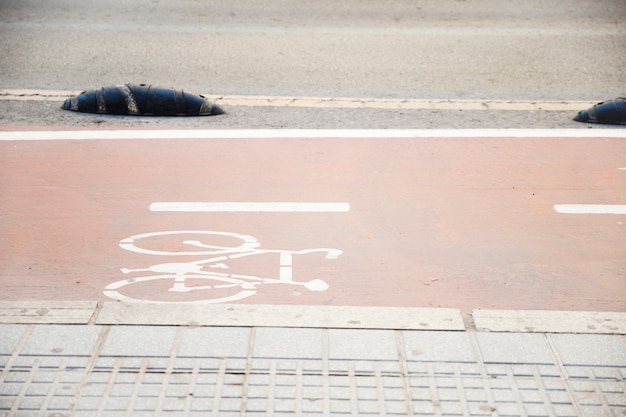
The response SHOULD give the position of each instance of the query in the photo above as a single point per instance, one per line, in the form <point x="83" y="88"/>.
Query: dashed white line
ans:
<point x="590" y="208"/>
<point x="275" y="207"/>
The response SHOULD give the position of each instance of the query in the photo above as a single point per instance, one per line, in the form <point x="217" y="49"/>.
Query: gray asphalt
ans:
<point x="492" y="50"/>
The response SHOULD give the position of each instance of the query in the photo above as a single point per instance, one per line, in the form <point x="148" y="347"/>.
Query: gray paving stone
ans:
<point x="62" y="340"/>
<point x="514" y="348"/>
<point x="439" y="346"/>
<point x="362" y="344"/>
<point x="10" y="335"/>
<point x="273" y="342"/>
<point x="541" y="321"/>
<point x="47" y="312"/>
<point x="292" y="369"/>
<point x="589" y="349"/>
<point x="247" y="315"/>
<point x="139" y="341"/>
<point x="214" y="342"/>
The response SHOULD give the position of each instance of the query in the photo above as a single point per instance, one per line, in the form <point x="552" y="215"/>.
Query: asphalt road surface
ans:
<point x="534" y="51"/>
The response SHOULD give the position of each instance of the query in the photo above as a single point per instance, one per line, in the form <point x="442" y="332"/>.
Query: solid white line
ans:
<point x="249" y="207"/>
<point x="590" y="208"/>
<point x="308" y="133"/>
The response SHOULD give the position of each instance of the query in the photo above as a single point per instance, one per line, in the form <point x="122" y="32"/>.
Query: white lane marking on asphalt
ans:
<point x="307" y="133"/>
<point x="590" y="208"/>
<point x="249" y="207"/>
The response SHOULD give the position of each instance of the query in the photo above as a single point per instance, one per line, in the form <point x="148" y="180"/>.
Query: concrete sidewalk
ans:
<point x="142" y="370"/>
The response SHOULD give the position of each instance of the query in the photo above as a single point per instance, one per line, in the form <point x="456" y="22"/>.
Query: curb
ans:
<point x="343" y="317"/>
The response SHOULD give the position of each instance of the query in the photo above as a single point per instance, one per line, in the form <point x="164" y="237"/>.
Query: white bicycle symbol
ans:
<point x="180" y="272"/>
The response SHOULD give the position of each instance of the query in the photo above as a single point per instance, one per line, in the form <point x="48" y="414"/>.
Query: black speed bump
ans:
<point x="611" y="112"/>
<point x="141" y="100"/>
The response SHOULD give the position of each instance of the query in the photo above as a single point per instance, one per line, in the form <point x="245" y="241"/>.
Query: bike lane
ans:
<point x="460" y="222"/>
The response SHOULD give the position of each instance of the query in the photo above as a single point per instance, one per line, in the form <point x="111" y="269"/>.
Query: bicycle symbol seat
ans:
<point x="218" y="256"/>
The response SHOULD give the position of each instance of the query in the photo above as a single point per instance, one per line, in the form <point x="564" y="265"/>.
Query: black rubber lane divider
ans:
<point x="142" y="100"/>
<point x="612" y="112"/>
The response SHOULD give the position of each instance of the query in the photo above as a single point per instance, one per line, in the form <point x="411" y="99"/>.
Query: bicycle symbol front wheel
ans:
<point x="123" y="290"/>
<point x="189" y="242"/>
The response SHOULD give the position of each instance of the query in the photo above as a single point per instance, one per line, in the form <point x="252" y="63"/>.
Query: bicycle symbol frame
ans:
<point x="179" y="272"/>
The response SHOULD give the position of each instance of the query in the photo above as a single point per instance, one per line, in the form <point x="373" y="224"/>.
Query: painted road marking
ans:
<point x="417" y="250"/>
<point x="179" y="272"/>
<point x="208" y="134"/>
<point x="401" y="104"/>
<point x="276" y="207"/>
<point x="339" y="102"/>
<point x="413" y="31"/>
<point x="590" y="208"/>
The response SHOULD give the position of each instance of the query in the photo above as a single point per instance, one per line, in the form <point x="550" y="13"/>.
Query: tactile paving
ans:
<point x="103" y="381"/>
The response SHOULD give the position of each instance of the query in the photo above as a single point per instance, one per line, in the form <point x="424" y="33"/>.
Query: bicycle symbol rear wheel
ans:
<point x="244" y="288"/>
<point x="188" y="241"/>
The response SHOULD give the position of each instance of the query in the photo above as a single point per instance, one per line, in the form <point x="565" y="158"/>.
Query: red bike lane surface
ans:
<point x="432" y="222"/>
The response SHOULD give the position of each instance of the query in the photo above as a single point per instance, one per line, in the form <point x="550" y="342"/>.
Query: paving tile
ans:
<point x="47" y="312"/>
<point x="541" y="321"/>
<point x="10" y="335"/>
<point x="292" y="369"/>
<point x="362" y="344"/>
<point x="438" y="346"/>
<point x="247" y="315"/>
<point x="214" y="342"/>
<point x="139" y="341"/>
<point x="61" y="340"/>
<point x="514" y="348"/>
<point x="272" y="342"/>
<point x="590" y="349"/>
